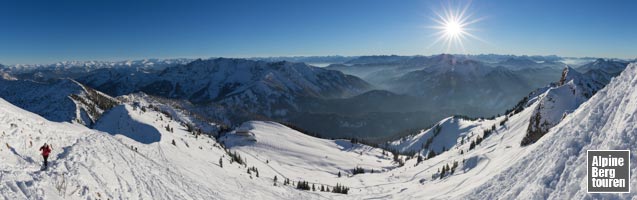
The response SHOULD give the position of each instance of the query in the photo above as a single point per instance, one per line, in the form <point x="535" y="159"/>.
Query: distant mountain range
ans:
<point x="394" y="94"/>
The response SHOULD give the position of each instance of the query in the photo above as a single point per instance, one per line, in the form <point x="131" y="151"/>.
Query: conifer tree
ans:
<point x="275" y="179"/>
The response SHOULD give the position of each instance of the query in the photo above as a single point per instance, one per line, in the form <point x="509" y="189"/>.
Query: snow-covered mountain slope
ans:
<point x="556" y="168"/>
<point x="6" y="76"/>
<point x="230" y="78"/>
<point x="173" y="108"/>
<point x="62" y="100"/>
<point x="439" y="138"/>
<point x="294" y="155"/>
<point x="87" y="164"/>
<point x="489" y="151"/>
<point x="248" y="88"/>
<point x="556" y="102"/>
<point x="138" y="160"/>
<point x="476" y="165"/>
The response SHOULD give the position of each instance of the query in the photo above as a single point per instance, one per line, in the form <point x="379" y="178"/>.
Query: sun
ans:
<point x="453" y="27"/>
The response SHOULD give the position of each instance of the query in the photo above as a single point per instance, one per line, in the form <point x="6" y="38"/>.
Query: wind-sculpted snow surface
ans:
<point x="556" y="168"/>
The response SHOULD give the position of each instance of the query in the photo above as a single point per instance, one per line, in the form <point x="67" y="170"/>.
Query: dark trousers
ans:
<point x="45" y="160"/>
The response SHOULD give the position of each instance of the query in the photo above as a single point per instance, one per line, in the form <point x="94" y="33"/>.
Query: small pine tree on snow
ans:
<point x="322" y="188"/>
<point x="472" y="145"/>
<point x="303" y="185"/>
<point x="175" y="144"/>
<point x="313" y="188"/>
<point x="447" y="168"/>
<point x="340" y="189"/>
<point x="221" y="162"/>
<point x="275" y="179"/>
<point x="358" y="170"/>
<point x="431" y="154"/>
<point x="454" y="166"/>
<point x="339" y="174"/>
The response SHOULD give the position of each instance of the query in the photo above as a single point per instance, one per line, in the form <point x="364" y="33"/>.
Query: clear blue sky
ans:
<point x="48" y="31"/>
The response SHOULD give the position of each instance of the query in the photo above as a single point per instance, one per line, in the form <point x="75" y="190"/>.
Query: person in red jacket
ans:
<point x="46" y="150"/>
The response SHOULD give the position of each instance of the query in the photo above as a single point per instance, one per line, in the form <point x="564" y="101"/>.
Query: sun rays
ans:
<point x="453" y="27"/>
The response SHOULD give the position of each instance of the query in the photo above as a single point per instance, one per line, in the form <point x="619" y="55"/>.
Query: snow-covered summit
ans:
<point x="571" y="91"/>
<point x="556" y="168"/>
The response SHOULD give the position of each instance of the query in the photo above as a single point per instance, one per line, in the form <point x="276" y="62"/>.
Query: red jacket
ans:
<point x="46" y="150"/>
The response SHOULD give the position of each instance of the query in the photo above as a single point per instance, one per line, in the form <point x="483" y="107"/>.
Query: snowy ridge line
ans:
<point x="556" y="168"/>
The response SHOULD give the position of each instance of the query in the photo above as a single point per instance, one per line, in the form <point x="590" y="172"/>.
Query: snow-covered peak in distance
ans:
<point x="610" y="66"/>
<point x="156" y="64"/>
